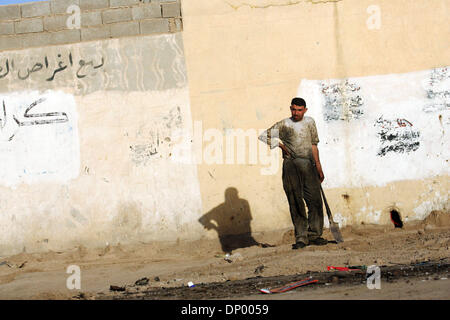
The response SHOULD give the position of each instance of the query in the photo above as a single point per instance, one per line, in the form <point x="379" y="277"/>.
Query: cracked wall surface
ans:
<point x="263" y="4"/>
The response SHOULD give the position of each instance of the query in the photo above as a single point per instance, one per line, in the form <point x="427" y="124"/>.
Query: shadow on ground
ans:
<point x="232" y="222"/>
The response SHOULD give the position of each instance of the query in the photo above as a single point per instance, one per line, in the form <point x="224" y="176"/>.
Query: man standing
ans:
<point x="302" y="172"/>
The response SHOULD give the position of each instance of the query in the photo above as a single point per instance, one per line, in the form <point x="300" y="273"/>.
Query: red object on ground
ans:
<point x="341" y="268"/>
<point x="289" y="286"/>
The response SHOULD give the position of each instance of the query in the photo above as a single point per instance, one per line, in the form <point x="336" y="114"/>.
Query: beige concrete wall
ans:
<point x="119" y="169"/>
<point x="246" y="60"/>
<point x="92" y="137"/>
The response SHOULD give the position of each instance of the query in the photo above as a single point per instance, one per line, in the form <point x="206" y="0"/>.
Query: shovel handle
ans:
<point x="330" y="217"/>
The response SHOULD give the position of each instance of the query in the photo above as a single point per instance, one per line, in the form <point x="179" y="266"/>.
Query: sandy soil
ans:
<point x="169" y="265"/>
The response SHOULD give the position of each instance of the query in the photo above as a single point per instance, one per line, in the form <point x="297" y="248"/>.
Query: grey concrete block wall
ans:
<point x="121" y="3"/>
<point x="56" y="22"/>
<point x="29" y="26"/>
<point x="96" y="33"/>
<point x="171" y="10"/>
<point x="151" y="26"/>
<point x="34" y="40"/>
<point x="125" y="29"/>
<point x="6" y="28"/>
<point x="65" y="36"/>
<point x="46" y="22"/>
<point x="61" y="6"/>
<point x="116" y="15"/>
<point x="94" y="4"/>
<point x="10" y="42"/>
<point x="89" y="19"/>
<point x="153" y="10"/>
<point x="175" y="25"/>
<point x="10" y="12"/>
<point x="35" y="9"/>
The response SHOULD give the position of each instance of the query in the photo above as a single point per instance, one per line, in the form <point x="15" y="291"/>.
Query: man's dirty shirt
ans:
<point x="298" y="137"/>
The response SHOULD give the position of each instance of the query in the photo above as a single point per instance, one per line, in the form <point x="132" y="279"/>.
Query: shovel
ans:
<point x="334" y="227"/>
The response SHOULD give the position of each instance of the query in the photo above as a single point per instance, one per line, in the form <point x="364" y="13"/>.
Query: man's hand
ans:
<point x="285" y="150"/>
<point x="320" y="172"/>
<point x="315" y="153"/>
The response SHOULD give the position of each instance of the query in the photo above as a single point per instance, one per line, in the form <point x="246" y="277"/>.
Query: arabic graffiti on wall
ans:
<point x="438" y="93"/>
<point x="397" y="136"/>
<point x="10" y="68"/>
<point x="38" y="137"/>
<point x="30" y="119"/>
<point x="159" y="137"/>
<point x="397" y="128"/>
<point x="342" y="101"/>
<point x="123" y="64"/>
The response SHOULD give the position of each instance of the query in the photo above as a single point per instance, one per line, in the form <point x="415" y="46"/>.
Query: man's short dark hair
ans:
<point x="299" y="102"/>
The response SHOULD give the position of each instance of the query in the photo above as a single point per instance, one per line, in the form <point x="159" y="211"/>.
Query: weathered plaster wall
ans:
<point x="246" y="59"/>
<point x="379" y="130"/>
<point x="130" y="139"/>
<point x="91" y="133"/>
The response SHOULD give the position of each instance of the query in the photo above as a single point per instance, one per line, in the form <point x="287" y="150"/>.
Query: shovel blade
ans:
<point x="334" y="228"/>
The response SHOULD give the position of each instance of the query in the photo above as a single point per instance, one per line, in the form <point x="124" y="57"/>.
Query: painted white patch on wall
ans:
<point x="38" y="137"/>
<point x="169" y="133"/>
<point x="379" y="129"/>
<point x="338" y="218"/>
<point x="437" y="202"/>
<point x="159" y="193"/>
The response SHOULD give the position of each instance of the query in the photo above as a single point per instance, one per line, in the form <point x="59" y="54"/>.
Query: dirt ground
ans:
<point x="165" y="269"/>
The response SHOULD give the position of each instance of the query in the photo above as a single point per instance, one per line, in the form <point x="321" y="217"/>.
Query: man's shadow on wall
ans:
<point x="231" y="220"/>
